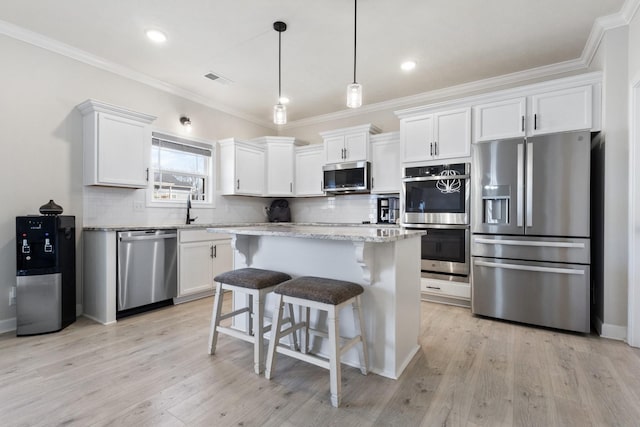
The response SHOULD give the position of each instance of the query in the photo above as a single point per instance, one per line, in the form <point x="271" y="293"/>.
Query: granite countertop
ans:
<point x="352" y="232"/>
<point x="202" y="225"/>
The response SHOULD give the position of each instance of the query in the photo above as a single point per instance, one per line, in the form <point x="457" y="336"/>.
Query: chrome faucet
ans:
<point x="189" y="219"/>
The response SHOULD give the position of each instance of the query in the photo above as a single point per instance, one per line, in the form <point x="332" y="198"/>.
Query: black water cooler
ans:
<point x="46" y="273"/>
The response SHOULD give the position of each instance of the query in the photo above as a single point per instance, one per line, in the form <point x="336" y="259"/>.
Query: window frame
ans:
<point x="210" y="183"/>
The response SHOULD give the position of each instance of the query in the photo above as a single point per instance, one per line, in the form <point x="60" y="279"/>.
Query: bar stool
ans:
<point x="322" y="294"/>
<point x="256" y="283"/>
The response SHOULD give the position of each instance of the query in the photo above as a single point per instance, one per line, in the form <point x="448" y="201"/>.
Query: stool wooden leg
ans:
<point x="358" y="319"/>
<point x="305" y="332"/>
<point x="334" y="356"/>
<point x="215" y="318"/>
<point x="276" y="324"/>
<point x="258" y="326"/>
<point x="249" y="318"/>
<point x="293" y="338"/>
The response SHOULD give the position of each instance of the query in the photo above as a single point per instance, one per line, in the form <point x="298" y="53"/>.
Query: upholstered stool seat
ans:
<point x="256" y="283"/>
<point x="329" y="295"/>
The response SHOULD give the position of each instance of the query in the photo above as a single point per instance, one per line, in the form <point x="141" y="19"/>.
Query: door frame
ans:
<point x="633" y="328"/>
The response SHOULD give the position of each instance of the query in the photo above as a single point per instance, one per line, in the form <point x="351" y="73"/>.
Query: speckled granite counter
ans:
<point x="256" y="224"/>
<point x="355" y="233"/>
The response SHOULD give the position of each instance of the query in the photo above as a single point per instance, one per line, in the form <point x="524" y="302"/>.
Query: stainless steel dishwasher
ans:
<point x="147" y="270"/>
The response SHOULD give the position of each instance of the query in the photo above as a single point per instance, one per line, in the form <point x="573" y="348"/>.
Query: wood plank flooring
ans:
<point x="153" y="370"/>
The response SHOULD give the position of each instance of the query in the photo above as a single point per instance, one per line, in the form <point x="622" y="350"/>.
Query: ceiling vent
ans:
<point x="217" y="78"/>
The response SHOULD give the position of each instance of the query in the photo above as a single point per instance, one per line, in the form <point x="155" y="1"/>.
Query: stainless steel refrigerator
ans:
<point x="530" y="241"/>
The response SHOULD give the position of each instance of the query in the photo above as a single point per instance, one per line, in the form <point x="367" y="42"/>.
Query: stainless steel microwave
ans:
<point x="352" y="177"/>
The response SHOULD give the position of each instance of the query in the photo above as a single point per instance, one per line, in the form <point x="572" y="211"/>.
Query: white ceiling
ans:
<point x="453" y="42"/>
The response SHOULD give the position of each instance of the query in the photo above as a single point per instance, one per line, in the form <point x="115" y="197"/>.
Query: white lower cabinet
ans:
<point x="444" y="291"/>
<point x="201" y="256"/>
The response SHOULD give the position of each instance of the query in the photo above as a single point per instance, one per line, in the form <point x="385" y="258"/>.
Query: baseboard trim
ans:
<point x="8" y="325"/>
<point x="606" y="330"/>
<point x="98" y="321"/>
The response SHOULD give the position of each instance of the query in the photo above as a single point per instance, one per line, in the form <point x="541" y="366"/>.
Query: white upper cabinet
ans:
<point x="242" y="168"/>
<point x="117" y="144"/>
<point x="545" y="112"/>
<point x="499" y="120"/>
<point x="561" y="110"/>
<point x="279" y="164"/>
<point x="440" y="135"/>
<point x="348" y="144"/>
<point x="309" y="161"/>
<point x="385" y="163"/>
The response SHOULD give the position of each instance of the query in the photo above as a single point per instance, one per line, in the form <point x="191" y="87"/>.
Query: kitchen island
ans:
<point x="384" y="260"/>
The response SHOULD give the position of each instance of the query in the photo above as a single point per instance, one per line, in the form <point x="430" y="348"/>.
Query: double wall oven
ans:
<point x="436" y="199"/>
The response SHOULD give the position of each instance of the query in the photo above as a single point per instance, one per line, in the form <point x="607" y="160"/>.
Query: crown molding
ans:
<point x="464" y="89"/>
<point x="37" y="39"/>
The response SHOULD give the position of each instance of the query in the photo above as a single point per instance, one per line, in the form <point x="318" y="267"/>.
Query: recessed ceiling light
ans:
<point x="408" y="65"/>
<point x="156" y="36"/>
<point x="284" y="100"/>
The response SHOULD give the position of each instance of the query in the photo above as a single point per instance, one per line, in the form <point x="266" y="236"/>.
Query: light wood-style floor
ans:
<point x="153" y="370"/>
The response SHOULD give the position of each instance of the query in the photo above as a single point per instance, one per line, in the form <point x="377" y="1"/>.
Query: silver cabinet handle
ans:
<point x="291" y="187"/>
<point x="435" y="147"/>
<point x="215" y="251"/>
<point x="535" y="121"/>
<point x="529" y="184"/>
<point x="431" y="148"/>
<point x="530" y="268"/>
<point x="147" y="174"/>
<point x="520" y="185"/>
<point x="211" y="251"/>
<point x="238" y="187"/>
<point x="373" y="180"/>
<point x="522" y="127"/>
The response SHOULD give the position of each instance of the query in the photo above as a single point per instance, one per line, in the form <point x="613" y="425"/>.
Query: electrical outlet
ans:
<point x="138" y="205"/>
<point x="12" y="296"/>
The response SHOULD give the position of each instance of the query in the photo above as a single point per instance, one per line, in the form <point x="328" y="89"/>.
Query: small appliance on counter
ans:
<point x="45" y="271"/>
<point x="279" y="211"/>
<point x="388" y="210"/>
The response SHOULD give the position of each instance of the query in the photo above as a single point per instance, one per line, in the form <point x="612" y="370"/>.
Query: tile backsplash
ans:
<point x="107" y="206"/>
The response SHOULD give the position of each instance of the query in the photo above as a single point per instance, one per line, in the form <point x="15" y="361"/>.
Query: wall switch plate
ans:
<point x="12" y="296"/>
<point x="138" y="205"/>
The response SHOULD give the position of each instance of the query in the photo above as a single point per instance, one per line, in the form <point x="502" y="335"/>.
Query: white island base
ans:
<point x="388" y="267"/>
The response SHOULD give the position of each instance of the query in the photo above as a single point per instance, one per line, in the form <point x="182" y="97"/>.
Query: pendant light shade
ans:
<point x="354" y="90"/>
<point x="279" y="110"/>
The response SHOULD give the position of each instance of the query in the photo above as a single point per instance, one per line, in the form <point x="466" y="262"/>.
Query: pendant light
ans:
<point x="354" y="90"/>
<point x="279" y="110"/>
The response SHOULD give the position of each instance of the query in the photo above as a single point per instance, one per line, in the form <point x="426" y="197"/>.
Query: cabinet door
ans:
<point x="416" y="136"/>
<point x="561" y="110"/>
<point x="123" y="151"/>
<point x="500" y="120"/>
<point x="452" y="134"/>
<point x="385" y="167"/>
<point x="222" y="257"/>
<point x="249" y="170"/>
<point x="334" y="149"/>
<point x="280" y="160"/>
<point x="356" y="147"/>
<point x="196" y="267"/>
<point x="309" y="173"/>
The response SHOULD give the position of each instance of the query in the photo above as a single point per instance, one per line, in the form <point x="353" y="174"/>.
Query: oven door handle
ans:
<point x="434" y="178"/>
<point x="530" y="268"/>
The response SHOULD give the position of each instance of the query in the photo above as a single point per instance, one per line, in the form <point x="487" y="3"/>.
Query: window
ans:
<point x="181" y="169"/>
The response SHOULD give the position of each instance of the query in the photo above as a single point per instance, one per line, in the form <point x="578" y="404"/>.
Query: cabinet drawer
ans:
<point x="201" y="235"/>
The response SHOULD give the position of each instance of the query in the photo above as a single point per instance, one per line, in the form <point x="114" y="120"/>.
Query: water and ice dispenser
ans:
<point x="495" y="204"/>
<point x="45" y="273"/>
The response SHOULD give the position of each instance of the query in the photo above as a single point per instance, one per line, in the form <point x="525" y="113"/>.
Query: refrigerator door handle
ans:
<point x="542" y="244"/>
<point x="530" y="268"/>
<point x="520" y="185"/>
<point x="529" y="184"/>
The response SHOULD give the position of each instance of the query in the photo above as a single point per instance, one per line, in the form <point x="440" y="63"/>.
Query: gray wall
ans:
<point x="42" y="148"/>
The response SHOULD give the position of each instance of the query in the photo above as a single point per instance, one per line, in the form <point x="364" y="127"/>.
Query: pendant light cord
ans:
<point x="355" y="31"/>
<point x="279" y="66"/>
